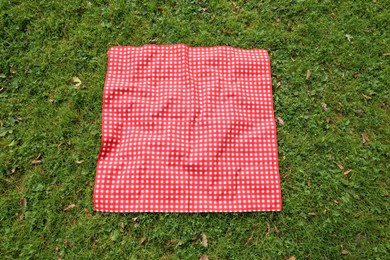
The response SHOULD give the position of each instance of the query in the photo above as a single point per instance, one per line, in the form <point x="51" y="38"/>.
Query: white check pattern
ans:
<point x="187" y="129"/>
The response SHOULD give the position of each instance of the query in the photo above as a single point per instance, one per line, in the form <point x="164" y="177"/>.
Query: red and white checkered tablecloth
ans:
<point x="187" y="129"/>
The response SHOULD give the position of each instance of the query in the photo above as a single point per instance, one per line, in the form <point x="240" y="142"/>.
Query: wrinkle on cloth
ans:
<point x="187" y="129"/>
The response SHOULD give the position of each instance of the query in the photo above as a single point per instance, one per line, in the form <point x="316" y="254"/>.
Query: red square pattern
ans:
<point x="187" y="129"/>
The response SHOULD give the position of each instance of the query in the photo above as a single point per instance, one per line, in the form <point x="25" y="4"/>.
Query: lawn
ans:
<point x="330" y="68"/>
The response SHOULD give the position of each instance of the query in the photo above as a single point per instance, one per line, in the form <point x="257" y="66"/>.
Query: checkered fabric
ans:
<point x="187" y="129"/>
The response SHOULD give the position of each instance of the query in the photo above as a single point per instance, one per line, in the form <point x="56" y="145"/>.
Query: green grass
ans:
<point x="44" y="44"/>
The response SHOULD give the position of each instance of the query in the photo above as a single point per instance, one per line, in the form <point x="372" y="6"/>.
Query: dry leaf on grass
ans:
<point x="366" y="97"/>
<point x="308" y="74"/>
<point x="71" y="206"/>
<point x="87" y="213"/>
<point x="175" y="242"/>
<point x="347" y="172"/>
<point x="340" y="165"/>
<point x="12" y="69"/>
<point x="23" y="202"/>
<point x="344" y="251"/>
<point x="68" y="244"/>
<point x="142" y="240"/>
<point x="280" y="121"/>
<point x="204" y="239"/>
<point x="153" y="40"/>
<point x="204" y="257"/>
<point x="365" y="138"/>
<point x="249" y="240"/>
<point x="360" y="112"/>
<point x="36" y="160"/>
<point x="276" y="229"/>
<point x="80" y="162"/>
<point x="324" y="106"/>
<point x="172" y="241"/>
<point x="292" y="258"/>
<point x="268" y="228"/>
<point x="236" y="6"/>
<point x="77" y="81"/>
